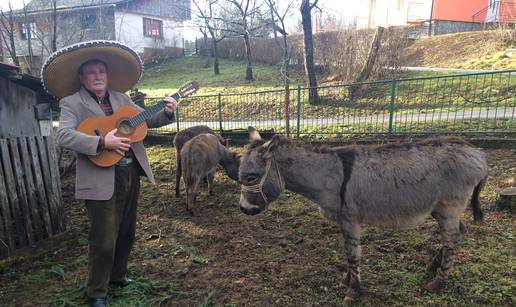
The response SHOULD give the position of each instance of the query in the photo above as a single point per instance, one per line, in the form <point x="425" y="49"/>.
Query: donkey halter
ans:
<point x="257" y="188"/>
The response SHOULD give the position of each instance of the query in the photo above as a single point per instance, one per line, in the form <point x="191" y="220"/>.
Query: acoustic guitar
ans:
<point x="130" y="122"/>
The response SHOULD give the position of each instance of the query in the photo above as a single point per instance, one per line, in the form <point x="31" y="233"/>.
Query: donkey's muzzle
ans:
<point x="249" y="208"/>
<point x="251" y="211"/>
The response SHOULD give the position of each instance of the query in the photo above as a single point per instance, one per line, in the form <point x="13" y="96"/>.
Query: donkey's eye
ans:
<point x="252" y="178"/>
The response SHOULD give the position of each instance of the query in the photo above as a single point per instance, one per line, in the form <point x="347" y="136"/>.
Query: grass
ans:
<point x="165" y="79"/>
<point x="468" y="50"/>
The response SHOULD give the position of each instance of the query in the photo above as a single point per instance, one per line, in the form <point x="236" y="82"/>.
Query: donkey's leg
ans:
<point x="351" y="232"/>
<point x="450" y="232"/>
<point x="178" y="172"/>
<point x="192" y="189"/>
<point x="210" y="177"/>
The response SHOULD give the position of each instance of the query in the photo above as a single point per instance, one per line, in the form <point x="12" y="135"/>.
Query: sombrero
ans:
<point x="60" y="71"/>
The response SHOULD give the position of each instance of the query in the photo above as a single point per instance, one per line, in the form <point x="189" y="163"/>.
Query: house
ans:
<point x="153" y="28"/>
<point x="440" y="16"/>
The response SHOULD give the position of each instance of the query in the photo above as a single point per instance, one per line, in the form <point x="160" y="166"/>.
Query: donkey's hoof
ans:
<point x="432" y="266"/>
<point x="435" y="285"/>
<point x="351" y="297"/>
<point x="348" y="301"/>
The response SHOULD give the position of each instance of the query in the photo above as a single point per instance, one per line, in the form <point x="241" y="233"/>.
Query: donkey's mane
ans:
<point x="284" y="141"/>
<point x="435" y="141"/>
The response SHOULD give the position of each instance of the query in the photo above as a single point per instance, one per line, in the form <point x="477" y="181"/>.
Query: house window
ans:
<point x="152" y="28"/>
<point x="28" y="30"/>
<point x="89" y="21"/>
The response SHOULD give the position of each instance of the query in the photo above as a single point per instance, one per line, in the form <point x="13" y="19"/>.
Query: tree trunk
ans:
<point x="369" y="65"/>
<point x="286" y="58"/>
<point x="54" y="24"/>
<point x="207" y="48"/>
<point x="507" y="199"/>
<point x="309" y="51"/>
<point x="216" y="70"/>
<point x="249" y="68"/>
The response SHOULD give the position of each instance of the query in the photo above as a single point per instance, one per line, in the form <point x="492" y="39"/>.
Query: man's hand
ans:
<point x="171" y="106"/>
<point x="118" y="144"/>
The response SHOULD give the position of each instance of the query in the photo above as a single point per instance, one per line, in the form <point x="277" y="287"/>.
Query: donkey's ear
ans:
<point x="271" y="146"/>
<point x="253" y="134"/>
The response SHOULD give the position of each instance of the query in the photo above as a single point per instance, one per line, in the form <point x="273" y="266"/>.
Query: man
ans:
<point x="91" y="78"/>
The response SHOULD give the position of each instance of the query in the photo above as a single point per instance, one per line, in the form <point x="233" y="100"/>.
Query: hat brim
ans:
<point x="60" y="72"/>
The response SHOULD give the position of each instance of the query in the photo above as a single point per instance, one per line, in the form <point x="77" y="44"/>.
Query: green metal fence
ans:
<point x="479" y="103"/>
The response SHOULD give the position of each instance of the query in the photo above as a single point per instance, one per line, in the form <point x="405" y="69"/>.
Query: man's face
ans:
<point x="94" y="78"/>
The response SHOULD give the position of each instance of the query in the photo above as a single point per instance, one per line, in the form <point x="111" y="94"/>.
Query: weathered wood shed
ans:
<point x="31" y="207"/>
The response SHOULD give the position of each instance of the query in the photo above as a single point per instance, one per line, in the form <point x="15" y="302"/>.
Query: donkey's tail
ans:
<point x="475" y="203"/>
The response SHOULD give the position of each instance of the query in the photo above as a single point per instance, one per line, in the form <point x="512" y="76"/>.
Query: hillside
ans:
<point x="472" y="50"/>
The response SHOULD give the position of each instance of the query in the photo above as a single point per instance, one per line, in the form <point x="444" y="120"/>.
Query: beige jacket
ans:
<point x="93" y="182"/>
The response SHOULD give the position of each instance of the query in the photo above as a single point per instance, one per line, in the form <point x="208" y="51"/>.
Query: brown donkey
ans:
<point x="392" y="185"/>
<point x="179" y="141"/>
<point x="199" y="158"/>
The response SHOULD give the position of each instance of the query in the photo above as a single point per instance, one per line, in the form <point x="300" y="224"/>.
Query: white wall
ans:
<point x="387" y="13"/>
<point x="129" y="30"/>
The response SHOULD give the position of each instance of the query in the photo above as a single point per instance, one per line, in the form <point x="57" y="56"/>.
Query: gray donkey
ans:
<point x="199" y="158"/>
<point x="395" y="185"/>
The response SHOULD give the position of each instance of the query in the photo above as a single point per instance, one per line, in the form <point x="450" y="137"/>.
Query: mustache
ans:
<point x="98" y="82"/>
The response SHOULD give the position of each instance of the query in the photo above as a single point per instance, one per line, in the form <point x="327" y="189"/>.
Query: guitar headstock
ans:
<point x="188" y="88"/>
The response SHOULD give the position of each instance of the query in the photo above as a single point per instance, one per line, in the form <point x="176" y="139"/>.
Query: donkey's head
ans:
<point x="259" y="174"/>
<point x="231" y="164"/>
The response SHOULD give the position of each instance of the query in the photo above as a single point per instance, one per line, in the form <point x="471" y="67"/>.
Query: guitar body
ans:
<point x="129" y="122"/>
<point x="101" y="125"/>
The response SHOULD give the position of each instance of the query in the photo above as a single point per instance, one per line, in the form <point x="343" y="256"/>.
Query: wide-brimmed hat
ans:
<point x="60" y="72"/>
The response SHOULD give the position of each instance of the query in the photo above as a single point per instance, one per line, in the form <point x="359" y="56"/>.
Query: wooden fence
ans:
<point x="30" y="193"/>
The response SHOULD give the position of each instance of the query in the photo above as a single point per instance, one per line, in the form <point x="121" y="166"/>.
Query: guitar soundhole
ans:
<point x="125" y="127"/>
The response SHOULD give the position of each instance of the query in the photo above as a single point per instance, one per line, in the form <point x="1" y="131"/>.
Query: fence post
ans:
<point x="177" y="118"/>
<point x="298" y="109"/>
<point x="220" y="113"/>
<point x="391" y="106"/>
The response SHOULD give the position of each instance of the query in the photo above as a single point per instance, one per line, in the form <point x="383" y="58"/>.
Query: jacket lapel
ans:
<point x="89" y="102"/>
<point x="115" y="103"/>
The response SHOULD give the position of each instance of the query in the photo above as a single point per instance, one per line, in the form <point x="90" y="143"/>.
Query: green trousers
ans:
<point x="112" y="228"/>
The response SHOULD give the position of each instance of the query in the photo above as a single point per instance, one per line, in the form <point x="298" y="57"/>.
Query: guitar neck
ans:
<point x="149" y="112"/>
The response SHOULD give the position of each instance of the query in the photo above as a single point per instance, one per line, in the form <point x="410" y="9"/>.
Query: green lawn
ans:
<point x="166" y="78"/>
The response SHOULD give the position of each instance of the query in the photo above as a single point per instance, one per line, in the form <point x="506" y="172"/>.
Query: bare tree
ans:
<point x="247" y="20"/>
<point x="213" y="26"/>
<point x="278" y="23"/>
<point x="306" y="17"/>
<point x="7" y="31"/>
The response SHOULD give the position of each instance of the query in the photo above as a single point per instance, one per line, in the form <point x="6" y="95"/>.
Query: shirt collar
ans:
<point x="105" y="99"/>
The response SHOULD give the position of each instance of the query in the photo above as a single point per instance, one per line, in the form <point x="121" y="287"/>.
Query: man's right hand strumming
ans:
<point x="118" y="144"/>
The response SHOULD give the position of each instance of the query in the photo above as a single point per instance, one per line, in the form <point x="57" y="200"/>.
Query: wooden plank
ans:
<point x="8" y="232"/>
<point x="53" y="200"/>
<point x="40" y="186"/>
<point x="56" y="181"/>
<point x="12" y="194"/>
<point x="6" y="222"/>
<point x="20" y="188"/>
<point x="33" y="204"/>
